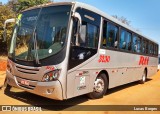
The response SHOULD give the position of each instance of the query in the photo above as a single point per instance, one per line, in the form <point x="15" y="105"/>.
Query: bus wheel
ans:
<point x="100" y="87"/>
<point x="144" y="77"/>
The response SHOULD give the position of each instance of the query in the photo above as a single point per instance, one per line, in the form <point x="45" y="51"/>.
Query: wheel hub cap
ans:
<point x="99" y="85"/>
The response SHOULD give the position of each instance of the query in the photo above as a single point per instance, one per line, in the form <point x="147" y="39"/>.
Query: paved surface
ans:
<point x="129" y="94"/>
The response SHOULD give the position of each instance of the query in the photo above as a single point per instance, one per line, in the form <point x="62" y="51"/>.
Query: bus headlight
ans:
<point x="51" y="76"/>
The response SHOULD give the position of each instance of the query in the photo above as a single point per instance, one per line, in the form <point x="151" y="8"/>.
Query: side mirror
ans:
<point x="5" y="30"/>
<point x="78" y="32"/>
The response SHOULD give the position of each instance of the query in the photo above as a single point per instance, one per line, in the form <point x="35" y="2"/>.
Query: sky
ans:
<point x="143" y="14"/>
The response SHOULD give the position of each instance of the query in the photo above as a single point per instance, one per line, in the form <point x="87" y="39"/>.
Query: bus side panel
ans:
<point x="124" y="76"/>
<point x="151" y="71"/>
<point x="122" y="68"/>
<point x="152" y="68"/>
<point x="80" y="82"/>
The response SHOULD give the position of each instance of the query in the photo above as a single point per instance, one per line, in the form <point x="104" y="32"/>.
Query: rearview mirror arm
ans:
<point x="4" y="28"/>
<point x="77" y="15"/>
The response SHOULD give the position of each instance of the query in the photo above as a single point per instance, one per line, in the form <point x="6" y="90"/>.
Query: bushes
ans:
<point x="5" y="13"/>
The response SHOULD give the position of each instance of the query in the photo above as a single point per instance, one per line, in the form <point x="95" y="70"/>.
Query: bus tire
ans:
<point x="100" y="87"/>
<point x="144" y="77"/>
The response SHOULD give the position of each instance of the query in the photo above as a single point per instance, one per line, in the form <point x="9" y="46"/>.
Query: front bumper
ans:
<point x="51" y="90"/>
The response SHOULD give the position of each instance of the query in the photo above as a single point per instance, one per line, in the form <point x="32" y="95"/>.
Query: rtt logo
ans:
<point x="104" y="59"/>
<point x="144" y="60"/>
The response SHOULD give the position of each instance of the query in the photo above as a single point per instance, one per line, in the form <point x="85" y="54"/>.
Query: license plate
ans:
<point x="25" y="82"/>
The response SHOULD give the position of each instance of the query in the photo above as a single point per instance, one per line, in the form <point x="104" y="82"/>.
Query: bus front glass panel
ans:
<point x="43" y="28"/>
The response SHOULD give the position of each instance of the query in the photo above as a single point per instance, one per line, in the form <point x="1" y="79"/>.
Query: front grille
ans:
<point x="27" y="70"/>
<point x="26" y="79"/>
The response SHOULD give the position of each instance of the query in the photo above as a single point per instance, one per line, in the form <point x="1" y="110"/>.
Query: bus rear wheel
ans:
<point x="100" y="87"/>
<point x="144" y="77"/>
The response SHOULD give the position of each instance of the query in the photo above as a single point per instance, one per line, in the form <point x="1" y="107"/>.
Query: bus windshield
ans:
<point x="40" y="31"/>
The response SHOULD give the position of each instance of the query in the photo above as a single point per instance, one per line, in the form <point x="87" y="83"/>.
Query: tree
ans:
<point x="123" y="20"/>
<point x="5" y="13"/>
<point x="24" y="4"/>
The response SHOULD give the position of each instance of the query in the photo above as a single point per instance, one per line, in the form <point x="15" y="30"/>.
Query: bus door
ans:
<point x="78" y="80"/>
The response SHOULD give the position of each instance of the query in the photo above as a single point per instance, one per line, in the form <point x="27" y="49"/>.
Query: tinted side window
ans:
<point x="92" y="36"/>
<point x="144" y="46"/>
<point x="125" y="40"/>
<point x="89" y="29"/>
<point x="151" y="49"/>
<point x="110" y="35"/>
<point x="147" y="43"/>
<point x="154" y="50"/>
<point x="84" y="46"/>
<point x="136" y="44"/>
<point x="157" y="50"/>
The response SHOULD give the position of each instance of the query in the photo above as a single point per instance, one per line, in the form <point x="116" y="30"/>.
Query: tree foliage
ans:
<point x="5" y="13"/>
<point x="19" y="5"/>
<point x="123" y="20"/>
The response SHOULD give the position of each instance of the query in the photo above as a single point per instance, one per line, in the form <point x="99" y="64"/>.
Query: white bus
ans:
<point x="63" y="50"/>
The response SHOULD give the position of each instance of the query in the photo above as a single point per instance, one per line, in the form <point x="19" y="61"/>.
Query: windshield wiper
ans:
<point x="35" y="46"/>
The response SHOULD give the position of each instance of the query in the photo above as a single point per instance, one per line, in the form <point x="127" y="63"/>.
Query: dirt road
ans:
<point x="130" y="94"/>
<point x="3" y="65"/>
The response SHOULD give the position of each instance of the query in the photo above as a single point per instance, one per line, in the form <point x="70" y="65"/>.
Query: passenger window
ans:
<point x="136" y="44"/>
<point x="125" y="40"/>
<point x="89" y="37"/>
<point x="155" y="49"/>
<point x="147" y="43"/>
<point x="110" y="35"/>
<point x="151" y="49"/>
<point x="144" y="46"/>
<point x="92" y="36"/>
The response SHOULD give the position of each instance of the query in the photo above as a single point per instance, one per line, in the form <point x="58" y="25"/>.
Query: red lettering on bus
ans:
<point x="104" y="59"/>
<point x="143" y="60"/>
<point x="49" y="67"/>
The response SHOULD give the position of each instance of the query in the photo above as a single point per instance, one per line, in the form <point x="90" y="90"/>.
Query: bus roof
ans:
<point x="49" y="4"/>
<point x="93" y="9"/>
